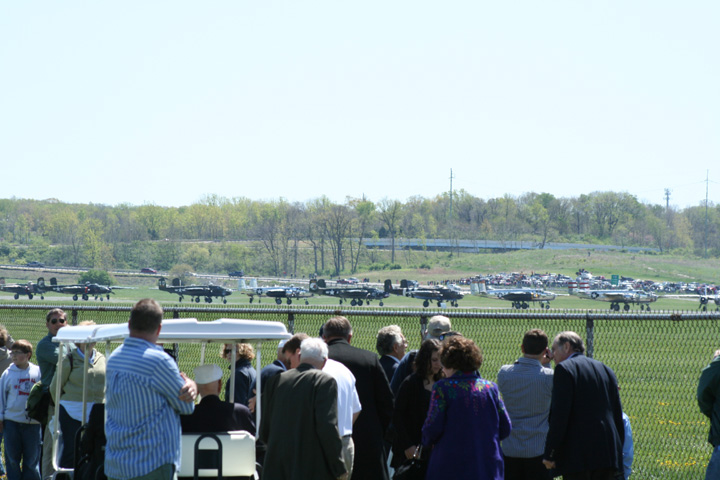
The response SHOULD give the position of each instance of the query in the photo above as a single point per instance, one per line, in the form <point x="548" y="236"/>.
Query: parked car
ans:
<point x="35" y="264"/>
<point x="236" y="273"/>
<point x="148" y="270"/>
<point x="347" y="281"/>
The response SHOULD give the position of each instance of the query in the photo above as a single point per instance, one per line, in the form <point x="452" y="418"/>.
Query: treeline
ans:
<point x="276" y="237"/>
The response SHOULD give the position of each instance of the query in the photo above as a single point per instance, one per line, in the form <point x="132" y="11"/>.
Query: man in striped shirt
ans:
<point x="526" y="388"/>
<point x="145" y="396"/>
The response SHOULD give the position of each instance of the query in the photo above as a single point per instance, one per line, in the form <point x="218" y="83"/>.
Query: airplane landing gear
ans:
<point x="224" y="300"/>
<point x="75" y="297"/>
<point x="208" y="299"/>
<point x="307" y="303"/>
<point x="289" y="301"/>
<point x="197" y="299"/>
<point x="381" y="303"/>
<point x="426" y="303"/>
<point x="30" y="296"/>
<point x="353" y="302"/>
<point x="278" y="301"/>
<point x="180" y="298"/>
<point x="251" y="299"/>
<point x="626" y="307"/>
<point x="16" y="296"/>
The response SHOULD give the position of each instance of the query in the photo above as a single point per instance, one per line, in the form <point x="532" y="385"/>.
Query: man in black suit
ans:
<point x="376" y="399"/>
<point x="212" y="414"/>
<point x="586" y="432"/>
<point x="391" y="346"/>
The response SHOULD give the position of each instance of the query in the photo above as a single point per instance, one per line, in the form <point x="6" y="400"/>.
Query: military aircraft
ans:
<point x="705" y="299"/>
<point x="83" y="290"/>
<point x="357" y="294"/>
<point x="194" y="291"/>
<point x="616" y="297"/>
<point x="518" y="296"/>
<point x="30" y="289"/>
<point x="278" y="292"/>
<point x="437" y="294"/>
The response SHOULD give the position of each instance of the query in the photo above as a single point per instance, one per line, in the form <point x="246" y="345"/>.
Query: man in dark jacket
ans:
<point x="299" y="422"/>
<point x="708" y="398"/>
<point x="586" y="431"/>
<point x="212" y="414"/>
<point x="376" y="399"/>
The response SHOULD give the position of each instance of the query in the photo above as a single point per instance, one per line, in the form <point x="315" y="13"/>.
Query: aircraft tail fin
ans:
<point x="388" y="285"/>
<point x="2" y="280"/>
<point x="53" y="281"/>
<point x="41" y="282"/>
<point x="241" y="284"/>
<point x="313" y="285"/>
<point x="176" y="282"/>
<point x="161" y="283"/>
<point x="321" y="283"/>
<point x="253" y="282"/>
<point x="404" y="284"/>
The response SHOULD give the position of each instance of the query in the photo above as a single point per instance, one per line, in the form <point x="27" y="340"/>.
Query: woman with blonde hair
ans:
<point x="244" y="371"/>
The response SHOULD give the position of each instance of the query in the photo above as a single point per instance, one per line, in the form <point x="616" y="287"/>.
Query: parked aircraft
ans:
<point x="30" y="289"/>
<point x="616" y="297"/>
<point x="705" y="299"/>
<point x="278" y="292"/>
<point x="437" y="294"/>
<point x="84" y="291"/>
<point x="518" y="296"/>
<point x="194" y="291"/>
<point x="357" y="294"/>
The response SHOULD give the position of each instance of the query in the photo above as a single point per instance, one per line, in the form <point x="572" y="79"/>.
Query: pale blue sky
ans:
<point x="166" y="101"/>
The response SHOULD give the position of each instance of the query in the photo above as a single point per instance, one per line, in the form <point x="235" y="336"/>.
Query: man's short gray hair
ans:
<point x="387" y="337"/>
<point x="313" y="350"/>
<point x="576" y="343"/>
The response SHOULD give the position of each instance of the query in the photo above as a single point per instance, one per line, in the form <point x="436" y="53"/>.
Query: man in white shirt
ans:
<point x="349" y="407"/>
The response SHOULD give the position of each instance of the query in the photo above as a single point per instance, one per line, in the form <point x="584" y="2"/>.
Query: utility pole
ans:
<point x="451" y="195"/>
<point x="667" y="200"/>
<point x="707" y="181"/>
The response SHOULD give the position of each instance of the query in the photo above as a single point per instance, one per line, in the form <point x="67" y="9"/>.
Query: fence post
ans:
<point x="423" y="326"/>
<point x="291" y="323"/>
<point x="590" y="332"/>
<point x="74" y="317"/>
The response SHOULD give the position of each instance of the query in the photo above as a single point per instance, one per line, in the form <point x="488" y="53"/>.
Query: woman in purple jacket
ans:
<point x="466" y="420"/>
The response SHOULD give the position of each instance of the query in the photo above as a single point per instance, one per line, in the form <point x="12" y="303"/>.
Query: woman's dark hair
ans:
<point x="422" y="359"/>
<point x="461" y="354"/>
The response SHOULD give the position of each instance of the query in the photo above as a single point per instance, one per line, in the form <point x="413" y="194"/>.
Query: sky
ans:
<point x="168" y="101"/>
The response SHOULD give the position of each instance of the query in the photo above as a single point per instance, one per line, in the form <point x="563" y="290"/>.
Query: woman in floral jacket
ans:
<point x="466" y="420"/>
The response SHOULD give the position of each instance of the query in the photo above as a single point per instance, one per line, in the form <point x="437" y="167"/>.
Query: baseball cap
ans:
<point x="438" y="325"/>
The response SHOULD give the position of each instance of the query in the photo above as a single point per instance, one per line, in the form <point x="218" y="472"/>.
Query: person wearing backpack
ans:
<point x="22" y="434"/>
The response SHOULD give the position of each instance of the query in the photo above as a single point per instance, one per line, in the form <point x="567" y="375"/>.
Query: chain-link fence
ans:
<point x="657" y="357"/>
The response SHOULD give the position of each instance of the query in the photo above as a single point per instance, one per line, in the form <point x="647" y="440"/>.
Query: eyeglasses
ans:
<point x="15" y="353"/>
<point x="57" y="320"/>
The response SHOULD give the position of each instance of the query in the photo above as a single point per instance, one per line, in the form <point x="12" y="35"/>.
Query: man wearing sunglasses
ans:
<point x="47" y="358"/>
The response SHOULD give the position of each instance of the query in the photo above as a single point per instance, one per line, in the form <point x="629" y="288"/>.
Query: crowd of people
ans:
<point x="330" y="410"/>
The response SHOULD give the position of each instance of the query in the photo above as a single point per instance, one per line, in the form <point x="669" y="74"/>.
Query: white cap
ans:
<point x="208" y="373"/>
<point x="281" y="344"/>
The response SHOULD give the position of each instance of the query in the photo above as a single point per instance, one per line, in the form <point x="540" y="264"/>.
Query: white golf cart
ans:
<point x="229" y="454"/>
